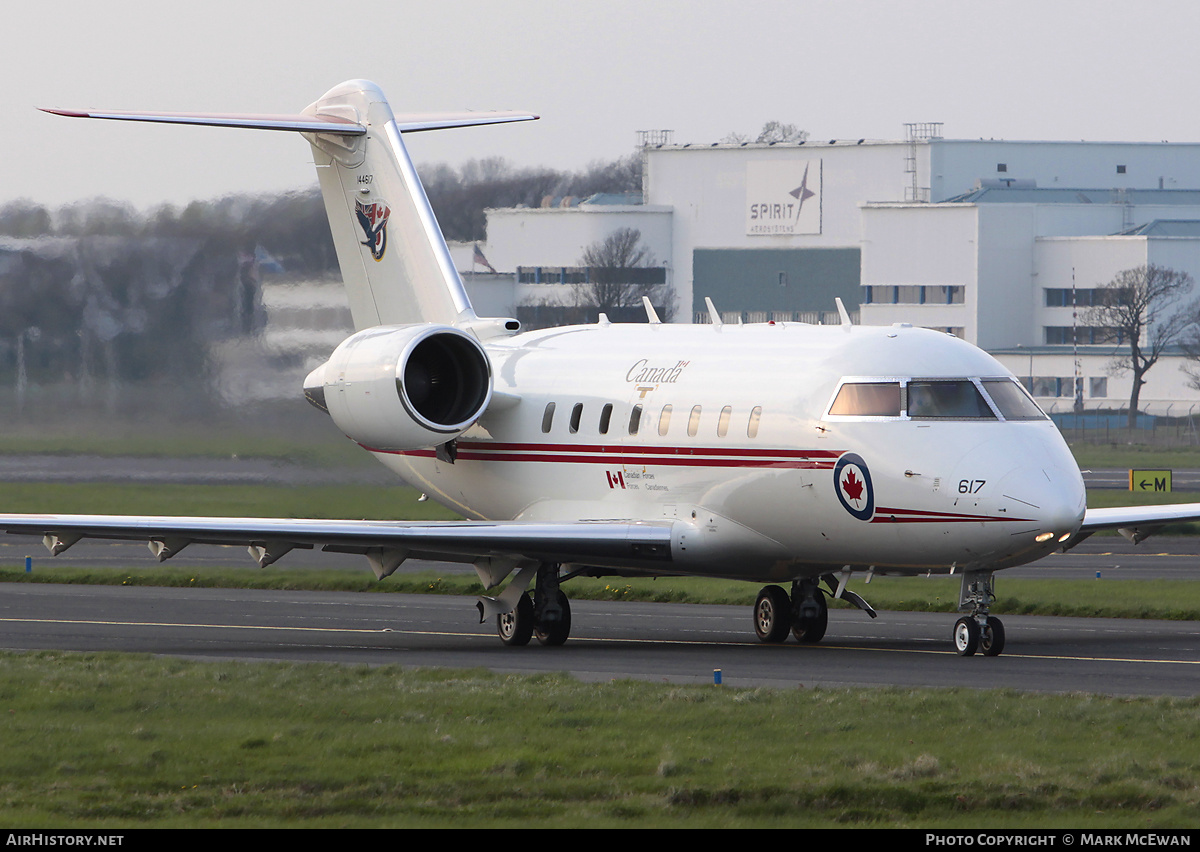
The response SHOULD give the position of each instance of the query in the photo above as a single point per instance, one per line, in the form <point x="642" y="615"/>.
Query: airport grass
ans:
<point x="384" y="502"/>
<point x="116" y="741"/>
<point x="1130" y="455"/>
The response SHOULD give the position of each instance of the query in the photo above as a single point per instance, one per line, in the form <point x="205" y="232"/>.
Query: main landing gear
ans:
<point x="804" y="613"/>
<point x="546" y="616"/>
<point x="978" y="631"/>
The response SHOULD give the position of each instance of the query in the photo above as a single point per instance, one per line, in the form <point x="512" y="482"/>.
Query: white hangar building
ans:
<point x="980" y="238"/>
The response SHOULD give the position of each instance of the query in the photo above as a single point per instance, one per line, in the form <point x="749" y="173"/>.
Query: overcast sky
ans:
<point x="596" y="70"/>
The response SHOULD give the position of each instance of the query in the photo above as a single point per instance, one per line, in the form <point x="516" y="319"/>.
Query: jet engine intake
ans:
<point x="403" y="387"/>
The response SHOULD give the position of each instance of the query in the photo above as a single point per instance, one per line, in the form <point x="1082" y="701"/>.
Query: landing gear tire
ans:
<point x="966" y="636"/>
<point x="811" y="629"/>
<point x="991" y="637"/>
<point x="772" y="619"/>
<point x="516" y="628"/>
<point x="555" y="632"/>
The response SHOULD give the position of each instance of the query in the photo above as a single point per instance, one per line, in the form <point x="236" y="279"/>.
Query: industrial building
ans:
<point x="989" y="240"/>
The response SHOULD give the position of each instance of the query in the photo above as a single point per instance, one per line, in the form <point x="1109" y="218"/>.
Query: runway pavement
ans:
<point x="678" y="643"/>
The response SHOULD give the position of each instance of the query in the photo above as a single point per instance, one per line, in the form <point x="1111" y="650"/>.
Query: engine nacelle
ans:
<point x="403" y="387"/>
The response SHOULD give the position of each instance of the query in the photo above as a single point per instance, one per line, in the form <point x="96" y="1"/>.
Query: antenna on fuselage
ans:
<point x="712" y="312"/>
<point x="651" y="316"/>
<point x="845" y="315"/>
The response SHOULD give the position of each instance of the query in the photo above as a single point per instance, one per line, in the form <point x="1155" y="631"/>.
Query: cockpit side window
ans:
<point x="868" y="399"/>
<point x="1012" y="400"/>
<point x="956" y="399"/>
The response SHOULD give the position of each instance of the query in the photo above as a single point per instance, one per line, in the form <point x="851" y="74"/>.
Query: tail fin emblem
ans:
<point x="372" y="218"/>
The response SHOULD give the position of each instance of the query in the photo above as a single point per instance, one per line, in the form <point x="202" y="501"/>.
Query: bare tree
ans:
<point x="1142" y="307"/>
<point x="620" y="271"/>
<point x="772" y="132"/>
<point x="775" y="131"/>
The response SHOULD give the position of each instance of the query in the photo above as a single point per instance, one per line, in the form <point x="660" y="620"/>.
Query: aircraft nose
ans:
<point x="1050" y="496"/>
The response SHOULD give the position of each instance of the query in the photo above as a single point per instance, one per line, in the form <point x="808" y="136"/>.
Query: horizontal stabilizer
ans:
<point x="296" y="123"/>
<point x="328" y="124"/>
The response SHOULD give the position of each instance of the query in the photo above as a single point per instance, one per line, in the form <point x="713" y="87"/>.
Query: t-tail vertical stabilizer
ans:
<point x="395" y="264"/>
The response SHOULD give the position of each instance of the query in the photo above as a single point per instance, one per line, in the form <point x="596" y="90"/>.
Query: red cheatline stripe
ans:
<point x="663" y="456"/>
<point x="619" y="449"/>
<point x="663" y="461"/>
<point x="906" y="516"/>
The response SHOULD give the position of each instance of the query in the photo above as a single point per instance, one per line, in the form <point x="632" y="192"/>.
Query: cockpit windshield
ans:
<point x="933" y="399"/>
<point x="954" y="399"/>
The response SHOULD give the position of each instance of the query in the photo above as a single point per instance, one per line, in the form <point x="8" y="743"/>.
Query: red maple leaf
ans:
<point x="853" y="487"/>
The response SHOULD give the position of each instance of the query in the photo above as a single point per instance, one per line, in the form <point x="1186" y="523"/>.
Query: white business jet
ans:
<point x="779" y="453"/>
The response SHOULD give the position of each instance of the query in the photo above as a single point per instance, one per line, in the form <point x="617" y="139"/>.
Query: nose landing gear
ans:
<point x="978" y="631"/>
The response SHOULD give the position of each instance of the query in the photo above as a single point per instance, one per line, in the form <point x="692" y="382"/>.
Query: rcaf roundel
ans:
<point x="852" y="482"/>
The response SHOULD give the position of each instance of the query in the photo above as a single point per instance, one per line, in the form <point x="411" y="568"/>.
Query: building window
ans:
<point x="1098" y="388"/>
<point x="1063" y="335"/>
<point x="1085" y="297"/>
<point x="914" y="294"/>
<point x="1120" y="170"/>
<point x="1056" y="386"/>
<point x="1001" y="167"/>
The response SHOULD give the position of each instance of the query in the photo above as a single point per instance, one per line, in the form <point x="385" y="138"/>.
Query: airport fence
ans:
<point x="1112" y="427"/>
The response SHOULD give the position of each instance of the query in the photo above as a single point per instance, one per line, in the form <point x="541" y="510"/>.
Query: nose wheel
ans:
<point x="978" y="631"/>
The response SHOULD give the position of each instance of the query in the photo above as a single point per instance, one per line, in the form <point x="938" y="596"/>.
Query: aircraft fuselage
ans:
<point x="728" y="432"/>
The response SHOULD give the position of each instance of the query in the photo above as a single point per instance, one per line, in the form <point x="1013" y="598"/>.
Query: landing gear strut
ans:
<point x="979" y="631"/>
<point x="547" y="616"/>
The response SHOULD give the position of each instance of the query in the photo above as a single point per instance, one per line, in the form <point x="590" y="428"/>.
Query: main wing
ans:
<point x="1136" y="523"/>
<point x="631" y="544"/>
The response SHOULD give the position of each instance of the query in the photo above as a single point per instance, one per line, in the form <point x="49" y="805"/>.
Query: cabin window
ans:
<point x="1012" y="400"/>
<point x="752" y="426"/>
<point x="635" y="419"/>
<point x="868" y="399"/>
<point x="956" y="399"/>
<point x="605" y="418"/>
<point x="723" y="421"/>
<point x="694" y="422"/>
<point x="576" y="416"/>
<point x="664" y="420"/>
<point x="548" y="417"/>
